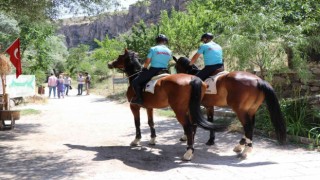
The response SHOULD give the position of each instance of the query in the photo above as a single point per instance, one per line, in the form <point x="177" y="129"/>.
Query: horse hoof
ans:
<point x="152" y="141"/>
<point x="135" y="142"/>
<point x="246" y="152"/>
<point x="188" y="155"/>
<point x="183" y="138"/>
<point x="238" y="148"/>
<point x="242" y="156"/>
<point x="210" y="142"/>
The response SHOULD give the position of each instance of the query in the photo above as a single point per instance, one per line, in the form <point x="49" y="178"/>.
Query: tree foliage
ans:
<point x="9" y="30"/>
<point x="38" y="10"/>
<point x="141" y="38"/>
<point x="76" y="57"/>
<point x="108" y="50"/>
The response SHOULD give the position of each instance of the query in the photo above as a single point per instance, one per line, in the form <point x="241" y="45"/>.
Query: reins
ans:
<point x="133" y="75"/>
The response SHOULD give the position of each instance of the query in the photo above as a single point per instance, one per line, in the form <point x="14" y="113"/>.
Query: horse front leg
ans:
<point x="210" y="116"/>
<point x="136" y="114"/>
<point x="151" y="125"/>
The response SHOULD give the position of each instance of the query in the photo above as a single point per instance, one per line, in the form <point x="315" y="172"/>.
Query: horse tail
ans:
<point x="195" y="110"/>
<point x="273" y="106"/>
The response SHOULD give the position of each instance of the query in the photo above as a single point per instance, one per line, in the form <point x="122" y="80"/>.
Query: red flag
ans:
<point x="14" y="52"/>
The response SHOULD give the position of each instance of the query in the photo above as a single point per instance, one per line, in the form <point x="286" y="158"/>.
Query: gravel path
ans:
<point x="88" y="137"/>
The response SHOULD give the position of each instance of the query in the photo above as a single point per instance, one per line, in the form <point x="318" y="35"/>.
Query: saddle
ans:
<point x="211" y="81"/>
<point x="149" y="87"/>
<point x="217" y="71"/>
<point x="163" y="71"/>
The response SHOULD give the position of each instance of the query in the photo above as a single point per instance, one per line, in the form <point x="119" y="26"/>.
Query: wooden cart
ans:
<point x="8" y="115"/>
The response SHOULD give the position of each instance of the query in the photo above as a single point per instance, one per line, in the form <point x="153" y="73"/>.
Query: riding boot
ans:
<point x="138" y="100"/>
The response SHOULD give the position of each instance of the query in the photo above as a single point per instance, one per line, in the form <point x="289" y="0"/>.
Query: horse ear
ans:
<point x="125" y="50"/>
<point x="174" y="58"/>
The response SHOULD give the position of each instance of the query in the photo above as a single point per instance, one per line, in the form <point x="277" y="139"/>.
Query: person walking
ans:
<point x="88" y="82"/>
<point x="52" y="84"/>
<point x="67" y="84"/>
<point x="60" y="86"/>
<point x="80" y="83"/>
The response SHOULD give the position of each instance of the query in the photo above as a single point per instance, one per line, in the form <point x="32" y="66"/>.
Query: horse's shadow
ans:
<point x="162" y="157"/>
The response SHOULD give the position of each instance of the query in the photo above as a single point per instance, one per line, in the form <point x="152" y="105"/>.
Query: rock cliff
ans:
<point x="84" y="32"/>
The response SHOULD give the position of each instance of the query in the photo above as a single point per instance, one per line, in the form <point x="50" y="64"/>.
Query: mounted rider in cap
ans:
<point x="159" y="57"/>
<point x="212" y="55"/>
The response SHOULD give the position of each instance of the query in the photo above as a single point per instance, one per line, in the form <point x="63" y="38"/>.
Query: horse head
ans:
<point x="127" y="62"/>
<point x="182" y="66"/>
<point x="119" y="63"/>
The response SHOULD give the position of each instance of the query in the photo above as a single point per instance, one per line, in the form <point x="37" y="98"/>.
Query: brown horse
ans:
<point x="244" y="93"/>
<point x="182" y="92"/>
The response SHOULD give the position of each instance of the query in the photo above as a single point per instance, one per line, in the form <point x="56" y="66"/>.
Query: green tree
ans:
<point x="9" y="30"/>
<point x="77" y="56"/>
<point x="38" y="10"/>
<point x="108" y="50"/>
<point x="141" y="38"/>
<point x="182" y="31"/>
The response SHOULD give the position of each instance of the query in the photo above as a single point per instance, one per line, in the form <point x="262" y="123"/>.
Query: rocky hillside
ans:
<point x="77" y="32"/>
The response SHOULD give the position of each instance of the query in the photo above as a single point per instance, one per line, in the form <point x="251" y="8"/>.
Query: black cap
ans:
<point x="206" y="36"/>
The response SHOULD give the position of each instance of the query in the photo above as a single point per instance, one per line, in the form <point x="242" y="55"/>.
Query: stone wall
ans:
<point x="290" y="85"/>
<point x="117" y="23"/>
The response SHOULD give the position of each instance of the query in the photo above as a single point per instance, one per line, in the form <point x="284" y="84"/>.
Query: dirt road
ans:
<point x="88" y="137"/>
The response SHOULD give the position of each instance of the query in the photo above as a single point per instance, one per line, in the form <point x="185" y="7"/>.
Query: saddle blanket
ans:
<point x="212" y="82"/>
<point x="152" y="83"/>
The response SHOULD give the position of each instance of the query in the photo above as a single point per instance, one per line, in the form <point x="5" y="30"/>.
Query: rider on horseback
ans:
<point x="159" y="57"/>
<point x="212" y="55"/>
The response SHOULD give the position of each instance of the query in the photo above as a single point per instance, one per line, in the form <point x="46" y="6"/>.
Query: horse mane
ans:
<point x="183" y="61"/>
<point x="132" y="66"/>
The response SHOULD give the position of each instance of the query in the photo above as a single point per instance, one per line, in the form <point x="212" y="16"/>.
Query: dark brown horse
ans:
<point x="182" y="92"/>
<point x="244" y="93"/>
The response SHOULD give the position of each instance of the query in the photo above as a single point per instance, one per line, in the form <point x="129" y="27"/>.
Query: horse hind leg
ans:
<point x="188" y="155"/>
<point x="153" y="136"/>
<point x="245" y="145"/>
<point x="189" y="133"/>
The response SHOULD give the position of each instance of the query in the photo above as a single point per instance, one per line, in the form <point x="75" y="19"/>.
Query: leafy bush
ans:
<point x="300" y="118"/>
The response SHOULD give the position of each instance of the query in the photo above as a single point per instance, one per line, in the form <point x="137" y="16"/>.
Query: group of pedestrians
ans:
<point x="62" y="84"/>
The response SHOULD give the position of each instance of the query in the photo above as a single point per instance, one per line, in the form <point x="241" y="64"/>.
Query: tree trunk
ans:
<point x="4" y="96"/>
<point x="289" y="52"/>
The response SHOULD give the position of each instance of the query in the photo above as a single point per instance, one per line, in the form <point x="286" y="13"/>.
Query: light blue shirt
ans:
<point x="160" y="56"/>
<point x="212" y="53"/>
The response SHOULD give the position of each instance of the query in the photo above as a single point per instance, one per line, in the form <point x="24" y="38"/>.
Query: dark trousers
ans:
<point x="207" y="71"/>
<point x="66" y="88"/>
<point x="80" y="89"/>
<point x="143" y="78"/>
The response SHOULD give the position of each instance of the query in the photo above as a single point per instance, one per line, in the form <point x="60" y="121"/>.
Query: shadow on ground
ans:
<point x="19" y="131"/>
<point x="167" y="155"/>
<point x="40" y="165"/>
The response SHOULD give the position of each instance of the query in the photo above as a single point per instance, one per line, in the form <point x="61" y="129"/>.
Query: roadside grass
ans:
<point x="166" y="112"/>
<point x="115" y="92"/>
<point x="37" y="99"/>
<point x="26" y="112"/>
